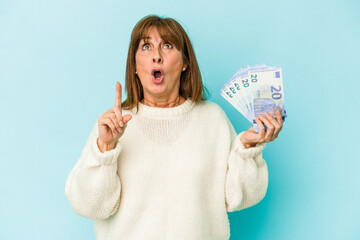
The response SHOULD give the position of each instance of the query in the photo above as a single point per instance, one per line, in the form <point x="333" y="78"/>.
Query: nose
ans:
<point x="157" y="57"/>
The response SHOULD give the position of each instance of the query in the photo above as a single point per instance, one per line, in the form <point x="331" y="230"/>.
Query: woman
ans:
<point x="166" y="164"/>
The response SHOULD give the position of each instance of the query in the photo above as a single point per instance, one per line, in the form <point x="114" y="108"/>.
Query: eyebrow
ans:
<point x="164" y="38"/>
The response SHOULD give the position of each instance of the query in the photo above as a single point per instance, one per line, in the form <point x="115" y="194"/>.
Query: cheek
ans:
<point x="139" y="61"/>
<point x="176" y="62"/>
<point x="140" y="68"/>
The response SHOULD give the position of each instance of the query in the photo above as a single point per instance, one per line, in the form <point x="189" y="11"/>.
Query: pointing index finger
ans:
<point x="118" y="95"/>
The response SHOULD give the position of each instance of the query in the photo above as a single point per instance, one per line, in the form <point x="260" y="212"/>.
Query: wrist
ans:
<point x="103" y="147"/>
<point x="246" y="144"/>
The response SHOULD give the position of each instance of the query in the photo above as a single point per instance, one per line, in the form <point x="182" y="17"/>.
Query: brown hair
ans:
<point x="191" y="85"/>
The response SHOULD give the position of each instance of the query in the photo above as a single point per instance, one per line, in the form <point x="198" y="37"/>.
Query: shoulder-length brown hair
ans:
<point x="191" y="85"/>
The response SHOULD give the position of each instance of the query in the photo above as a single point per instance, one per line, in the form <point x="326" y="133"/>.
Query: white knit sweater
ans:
<point x="174" y="175"/>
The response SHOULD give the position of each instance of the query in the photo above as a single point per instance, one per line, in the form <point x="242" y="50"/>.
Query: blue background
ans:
<point x="59" y="61"/>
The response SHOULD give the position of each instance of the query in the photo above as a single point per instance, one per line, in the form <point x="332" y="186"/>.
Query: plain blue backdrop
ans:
<point x="60" y="60"/>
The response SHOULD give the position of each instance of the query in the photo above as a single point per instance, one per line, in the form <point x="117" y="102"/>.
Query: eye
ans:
<point x="145" y="46"/>
<point x="168" y="45"/>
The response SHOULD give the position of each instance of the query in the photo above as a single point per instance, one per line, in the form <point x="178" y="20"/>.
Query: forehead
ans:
<point x="159" y="33"/>
<point x="153" y="35"/>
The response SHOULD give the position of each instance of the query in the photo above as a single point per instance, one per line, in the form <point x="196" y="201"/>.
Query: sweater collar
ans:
<point x="157" y="112"/>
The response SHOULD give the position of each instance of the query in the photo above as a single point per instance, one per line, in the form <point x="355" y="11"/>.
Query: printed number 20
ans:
<point x="276" y="95"/>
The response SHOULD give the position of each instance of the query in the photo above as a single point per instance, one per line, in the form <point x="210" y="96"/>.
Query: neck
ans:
<point x="164" y="103"/>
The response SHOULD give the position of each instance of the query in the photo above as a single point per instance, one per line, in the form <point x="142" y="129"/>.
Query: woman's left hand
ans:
<point x="250" y="138"/>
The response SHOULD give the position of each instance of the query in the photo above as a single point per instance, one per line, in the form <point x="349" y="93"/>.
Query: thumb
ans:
<point x="127" y="118"/>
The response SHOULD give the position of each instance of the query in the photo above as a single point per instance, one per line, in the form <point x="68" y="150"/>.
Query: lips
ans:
<point x="157" y="74"/>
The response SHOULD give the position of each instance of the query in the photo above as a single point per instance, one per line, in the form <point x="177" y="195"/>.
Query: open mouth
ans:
<point x="157" y="75"/>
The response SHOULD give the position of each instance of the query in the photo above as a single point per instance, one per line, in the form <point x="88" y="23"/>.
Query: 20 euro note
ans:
<point x="268" y="99"/>
<point x="231" y="92"/>
<point x="268" y="95"/>
<point x="256" y="90"/>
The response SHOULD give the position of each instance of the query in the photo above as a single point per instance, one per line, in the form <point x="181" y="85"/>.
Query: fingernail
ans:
<point x="121" y="124"/>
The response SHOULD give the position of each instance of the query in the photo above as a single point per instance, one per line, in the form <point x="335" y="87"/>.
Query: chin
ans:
<point x="157" y="90"/>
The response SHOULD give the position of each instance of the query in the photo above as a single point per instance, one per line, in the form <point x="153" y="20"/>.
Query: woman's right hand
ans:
<point x="112" y="124"/>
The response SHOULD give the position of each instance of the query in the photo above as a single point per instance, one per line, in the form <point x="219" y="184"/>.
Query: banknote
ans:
<point x="256" y="90"/>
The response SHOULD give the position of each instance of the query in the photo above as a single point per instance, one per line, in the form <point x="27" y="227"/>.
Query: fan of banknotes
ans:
<point x="255" y="90"/>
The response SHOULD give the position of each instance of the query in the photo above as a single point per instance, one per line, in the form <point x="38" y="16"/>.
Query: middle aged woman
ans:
<point x="166" y="163"/>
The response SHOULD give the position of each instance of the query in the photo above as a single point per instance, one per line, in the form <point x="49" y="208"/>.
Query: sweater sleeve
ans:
<point x="247" y="174"/>
<point x="93" y="185"/>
